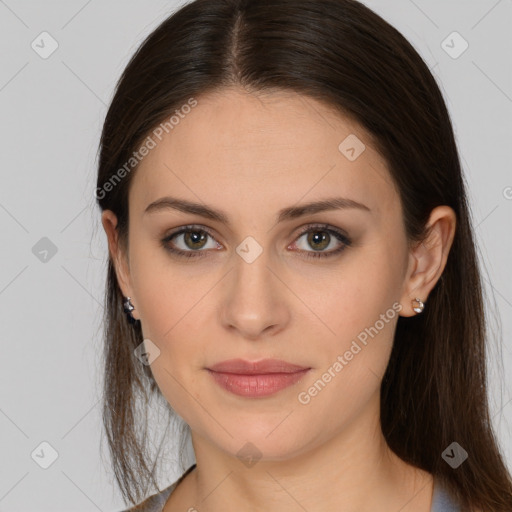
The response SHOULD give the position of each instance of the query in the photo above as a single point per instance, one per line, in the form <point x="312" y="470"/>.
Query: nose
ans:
<point x="254" y="303"/>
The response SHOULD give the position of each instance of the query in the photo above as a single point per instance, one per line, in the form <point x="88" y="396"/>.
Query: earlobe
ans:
<point x="428" y="260"/>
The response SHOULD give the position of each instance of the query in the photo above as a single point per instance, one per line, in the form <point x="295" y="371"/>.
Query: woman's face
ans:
<point x="249" y="290"/>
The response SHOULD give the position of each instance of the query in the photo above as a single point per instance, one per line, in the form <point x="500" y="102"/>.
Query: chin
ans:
<point x="262" y="440"/>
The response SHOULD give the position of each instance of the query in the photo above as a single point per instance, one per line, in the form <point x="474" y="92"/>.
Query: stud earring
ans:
<point x="419" y="308"/>
<point x="128" y="308"/>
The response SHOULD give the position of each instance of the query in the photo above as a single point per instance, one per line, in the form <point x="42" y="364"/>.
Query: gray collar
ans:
<point x="442" y="501"/>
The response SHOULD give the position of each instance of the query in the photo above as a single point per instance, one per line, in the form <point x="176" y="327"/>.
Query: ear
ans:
<point x="117" y="254"/>
<point x="427" y="259"/>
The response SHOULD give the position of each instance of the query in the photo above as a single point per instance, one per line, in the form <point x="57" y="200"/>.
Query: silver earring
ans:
<point x="419" y="308"/>
<point x="128" y="308"/>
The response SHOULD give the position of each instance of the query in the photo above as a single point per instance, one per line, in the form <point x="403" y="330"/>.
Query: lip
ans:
<point x="265" y="366"/>
<point x="253" y="379"/>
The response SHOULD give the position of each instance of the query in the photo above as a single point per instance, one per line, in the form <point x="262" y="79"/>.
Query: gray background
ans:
<point x="52" y="110"/>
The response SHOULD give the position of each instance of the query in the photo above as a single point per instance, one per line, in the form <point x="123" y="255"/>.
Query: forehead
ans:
<point x="262" y="147"/>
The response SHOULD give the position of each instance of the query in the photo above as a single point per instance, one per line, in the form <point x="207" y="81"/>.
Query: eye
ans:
<point x="320" y="237"/>
<point x="193" y="239"/>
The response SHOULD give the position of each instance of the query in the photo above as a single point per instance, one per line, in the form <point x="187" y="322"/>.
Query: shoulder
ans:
<point x="156" y="502"/>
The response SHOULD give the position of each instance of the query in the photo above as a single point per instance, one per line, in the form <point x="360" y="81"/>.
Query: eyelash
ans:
<point x="308" y="254"/>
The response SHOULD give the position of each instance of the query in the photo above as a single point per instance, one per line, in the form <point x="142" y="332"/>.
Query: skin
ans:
<point x="250" y="156"/>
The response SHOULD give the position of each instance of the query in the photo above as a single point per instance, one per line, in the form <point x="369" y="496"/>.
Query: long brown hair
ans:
<point x="434" y="391"/>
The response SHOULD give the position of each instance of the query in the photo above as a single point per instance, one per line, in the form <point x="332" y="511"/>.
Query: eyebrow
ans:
<point x="289" y="213"/>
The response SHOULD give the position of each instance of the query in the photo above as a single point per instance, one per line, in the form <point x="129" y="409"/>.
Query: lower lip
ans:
<point x="256" y="385"/>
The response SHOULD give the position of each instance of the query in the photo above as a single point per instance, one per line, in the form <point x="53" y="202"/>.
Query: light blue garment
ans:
<point x="441" y="500"/>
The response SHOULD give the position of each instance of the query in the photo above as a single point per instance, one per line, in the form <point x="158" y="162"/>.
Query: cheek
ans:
<point x="354" y="295"/>
<point x="165" y="291"/>
<point x="173" y="301"/>
<point x="356" y="308"/>
<point x="171" y="307"/>
<point x="354" y="363"/>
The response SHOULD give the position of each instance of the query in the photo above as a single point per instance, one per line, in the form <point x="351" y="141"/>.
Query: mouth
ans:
<point x="256" y="379"/>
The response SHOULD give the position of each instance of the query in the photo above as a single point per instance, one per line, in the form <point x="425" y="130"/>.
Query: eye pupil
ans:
<point x="313" y="239"/>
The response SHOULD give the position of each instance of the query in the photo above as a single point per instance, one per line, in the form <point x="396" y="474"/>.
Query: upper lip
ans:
<point x="241" y="366"/>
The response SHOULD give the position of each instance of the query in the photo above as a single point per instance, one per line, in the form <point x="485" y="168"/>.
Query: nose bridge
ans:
<point x="254" y="302"/>
<point x="251" y="266"/>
